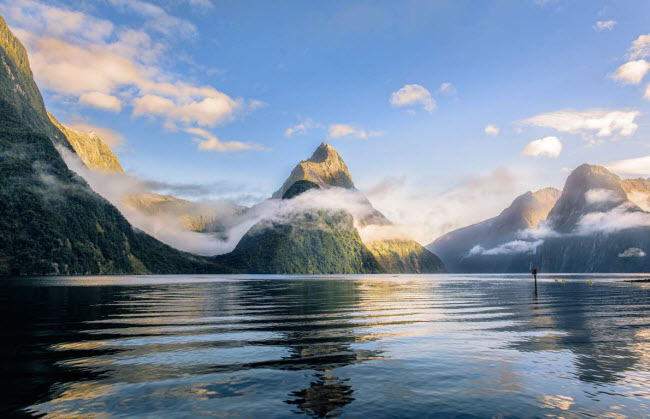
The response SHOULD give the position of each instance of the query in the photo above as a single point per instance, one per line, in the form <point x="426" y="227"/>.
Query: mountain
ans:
<point x="638" y="191"/>
<point x="592" y="226"/>
<point x="597" y="228"/>
<point x="526" y="212"/>
<point x="90" y="148"/>
<point x="51" y="222"/>
<point x="318" y="241"/>
<point x="325" y="168"/>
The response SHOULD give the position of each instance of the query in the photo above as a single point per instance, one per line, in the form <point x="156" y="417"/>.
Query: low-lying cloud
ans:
<point x="509" y="248"/>
<point x="632" y="252"/>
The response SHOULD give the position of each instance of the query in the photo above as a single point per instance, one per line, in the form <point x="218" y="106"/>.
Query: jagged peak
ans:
<point x="325" y="168"/>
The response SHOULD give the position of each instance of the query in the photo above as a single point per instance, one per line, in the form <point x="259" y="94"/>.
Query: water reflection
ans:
<point x="374" y="346"/>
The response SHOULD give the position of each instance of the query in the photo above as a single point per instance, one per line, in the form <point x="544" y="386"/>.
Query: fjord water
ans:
<point x="372" y="346"/>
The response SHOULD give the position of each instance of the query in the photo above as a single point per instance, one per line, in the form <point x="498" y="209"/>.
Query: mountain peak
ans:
<point x="324" y="168"/>
<point x="573" y="203"/>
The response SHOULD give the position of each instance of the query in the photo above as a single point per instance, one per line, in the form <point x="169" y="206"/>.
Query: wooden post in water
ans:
<point x="534" y="272"/>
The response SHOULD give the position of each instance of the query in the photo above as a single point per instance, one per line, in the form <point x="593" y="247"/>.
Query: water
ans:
<point x="359" y="346"/>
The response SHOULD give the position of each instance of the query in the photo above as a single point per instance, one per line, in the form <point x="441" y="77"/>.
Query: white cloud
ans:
<point x="345" y="130"/>
<point x="447" y="89"/>
<point x="209" y="142"/>
<point x="548" y="147"/>
<point x="600" y="196"/>
<point x="512" y="247"/>
<point x="101" y="100"/>
<point x="639" y="166"/>
<point x="604" y="122"/>
<point x="631" y="72"/>
<point x="301" y="128"/>
<point x="412" y="94"/>
<point x="90" y="60"/>
<point x="622" y="217"/>
<point x="632" y="252"/>
<point x="491" y="130"/>
<point x="640" y="47"/>
<point x="602" y="25"/>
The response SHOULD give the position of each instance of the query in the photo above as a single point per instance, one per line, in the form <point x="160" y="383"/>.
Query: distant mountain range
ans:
<point x="597" y="224"/>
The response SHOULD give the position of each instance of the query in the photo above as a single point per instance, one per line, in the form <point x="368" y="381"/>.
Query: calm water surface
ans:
<point x="358" y="346"/>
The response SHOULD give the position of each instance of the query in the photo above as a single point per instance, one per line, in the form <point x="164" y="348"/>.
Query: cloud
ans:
<point x="602" y="25"/>
<point x="111" y="137"/>
<point x="509" y="248"/>
<point x="547" y="146"/>
<point x="345" y="130"/>
<point x="301" y="128"/>
<point x="632" y="252"/>
<point x="447" y="89"/>
<point x="491" y="130"/>
<point x="156" y="18"/>
<point x="77" y="55"/>
<point x="601" y="196"/>
<point x="640" y="48"/>
<point x="604" y="122"/>
<point x="101" y="100"/>
<point x="209" y="142"/>
<point x="639" y="166"/>
<point x="413" y="94"/>
<point x="623" y="217"/>
<point x="424" y="212"/>
<point x="631" y="72"/>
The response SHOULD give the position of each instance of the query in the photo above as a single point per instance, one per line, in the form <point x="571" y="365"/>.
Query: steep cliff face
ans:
<point x="324" y="168"/>
<point x="51" y="222"/>
<point x="527" y="211"/>
<point x="19" y="91"/>
<point x="90" y="148"/>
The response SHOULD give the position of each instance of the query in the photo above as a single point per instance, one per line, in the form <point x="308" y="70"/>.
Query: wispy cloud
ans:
<point x="156" y="18"/>
<point x="603" y="25"/>
<point x="206" y="141"/>
<point x="638" y="166"/>
<point x="447" y="89"/>
<point x="301" y="128"/>
<point x="547" y="147"/>
<point x="602" y="122"/>
<point x="414" y="94"/>
<point x="345" y="130"/>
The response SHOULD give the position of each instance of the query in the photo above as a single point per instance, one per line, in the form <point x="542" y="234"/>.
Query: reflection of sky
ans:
<point x="398" y="346"/>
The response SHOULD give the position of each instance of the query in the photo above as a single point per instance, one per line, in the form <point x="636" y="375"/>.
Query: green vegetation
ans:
<point x="308" y="243"/>
<point x="404" y="256"/>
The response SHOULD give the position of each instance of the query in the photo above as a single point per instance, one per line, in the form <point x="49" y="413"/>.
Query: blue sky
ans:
<point x="145" y="69"/>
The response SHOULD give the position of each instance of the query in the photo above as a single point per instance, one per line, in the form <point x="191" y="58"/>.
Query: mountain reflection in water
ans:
<point x="326" y="346"/>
